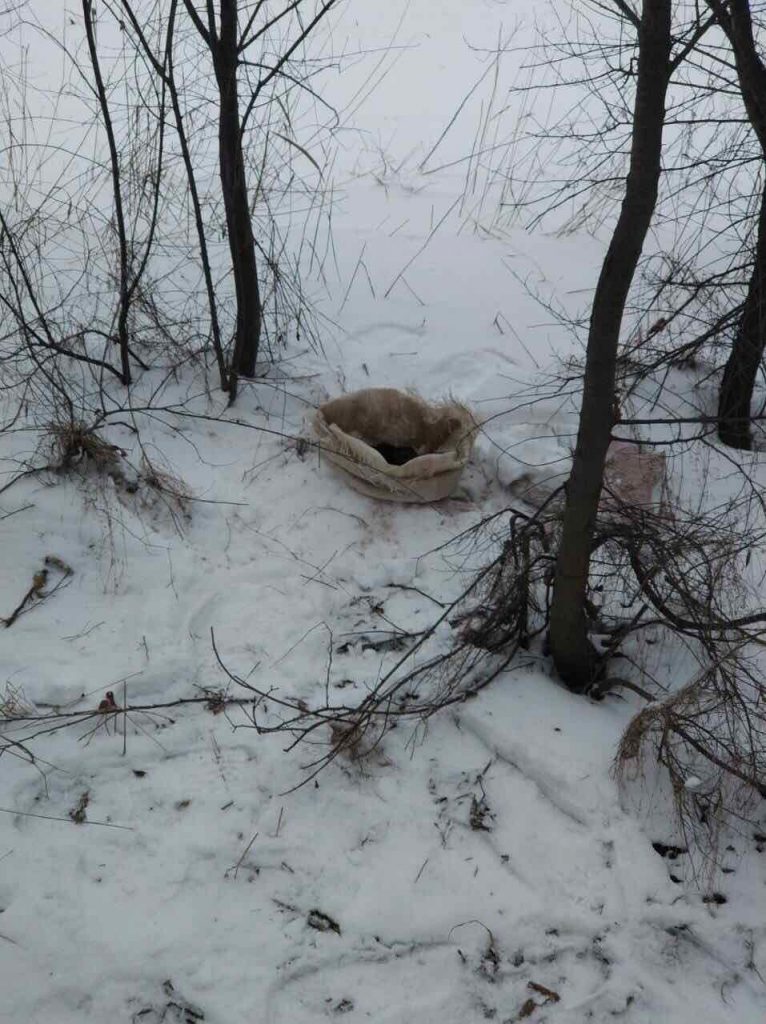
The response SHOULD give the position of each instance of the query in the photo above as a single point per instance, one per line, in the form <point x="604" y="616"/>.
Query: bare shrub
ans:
<point x="14" y="703"/>
<point x="500" y="614"/>
<point x="159" y="488"/>
<point x="659" y="576"/>
<point x="710" y="738"/>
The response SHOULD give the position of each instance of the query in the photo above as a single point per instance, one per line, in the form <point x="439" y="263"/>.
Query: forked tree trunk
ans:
<point x="744" y="362"/>
<point x="234" y="187"/>
<point x="227" y="49"/>
<point x="575" y="658"/>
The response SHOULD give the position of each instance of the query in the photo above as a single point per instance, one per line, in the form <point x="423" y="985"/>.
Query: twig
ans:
<point x="244" y="854"/>
<point x="68" y="821"/>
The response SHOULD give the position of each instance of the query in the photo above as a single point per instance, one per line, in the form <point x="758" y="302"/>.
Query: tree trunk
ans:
<point x="744" y="360"/>
<point x="122" y="238"/>
<point x="234" y="187"/>
<point x="741" y="371"/>
<point x="575" y="658"/>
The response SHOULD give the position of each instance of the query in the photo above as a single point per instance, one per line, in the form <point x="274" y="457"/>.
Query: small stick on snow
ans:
<point x="68" y="821"/>
<point x="279" y="822"/>
<point x="124" y="718"/>
<point x="245" y="852"/>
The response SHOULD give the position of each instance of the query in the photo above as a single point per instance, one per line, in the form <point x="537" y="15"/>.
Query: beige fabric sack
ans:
<point x="439" y="439"/>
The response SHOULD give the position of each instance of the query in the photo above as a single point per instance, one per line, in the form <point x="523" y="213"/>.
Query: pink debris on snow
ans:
<point x="631" y="475"/>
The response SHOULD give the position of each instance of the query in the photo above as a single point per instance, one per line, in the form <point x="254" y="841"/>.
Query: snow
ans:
<point x="467" y="865"/>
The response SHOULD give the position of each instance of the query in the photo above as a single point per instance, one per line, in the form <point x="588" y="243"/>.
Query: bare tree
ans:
<point x="744" y="361"/>
<point x="71" y="316"/>
<point x="120" y="204"/>
<point x="228" y="46"/>
<point x="576" y="660"/>
<point x="223" y="44"/>
<point x="164" y="66"/>
<point x="119" y="213"/>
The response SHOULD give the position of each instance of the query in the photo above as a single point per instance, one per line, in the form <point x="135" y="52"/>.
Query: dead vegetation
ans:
<point x="74" y="448"/>
<point x="710" y="739"/>
<point x="661" y="579"/>
<point x="53" y="575"/>
<point x="659" y="576"/>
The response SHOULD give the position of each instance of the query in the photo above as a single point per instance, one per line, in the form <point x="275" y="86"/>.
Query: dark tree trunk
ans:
<point x="234" y="186"/>
<point x="574" y="656"/>
<point x="744" y="360"/>
<point x="103" y="102"/>
<point x="743" y="364"/>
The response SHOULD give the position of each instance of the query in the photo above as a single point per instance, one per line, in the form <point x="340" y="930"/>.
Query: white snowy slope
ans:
<point x="480" y="868"/>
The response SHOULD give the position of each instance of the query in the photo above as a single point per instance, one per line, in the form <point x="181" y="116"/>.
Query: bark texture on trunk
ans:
<point x="741" y="370"/>
<point x="744" y="362"/>
<point x="575" y="658"/>
<point x="235" y="197"/>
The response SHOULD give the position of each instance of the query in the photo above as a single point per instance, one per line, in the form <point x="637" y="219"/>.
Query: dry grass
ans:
<point x="14" y="704"/>
<point x="709" y="738"/>
<point x="76" y="447"/>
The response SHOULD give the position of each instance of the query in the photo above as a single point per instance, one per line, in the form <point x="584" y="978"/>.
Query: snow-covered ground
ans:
<point x="482" y="867"/>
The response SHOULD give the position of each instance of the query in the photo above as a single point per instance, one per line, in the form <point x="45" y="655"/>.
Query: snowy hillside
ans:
<point x="167" y="865"/>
